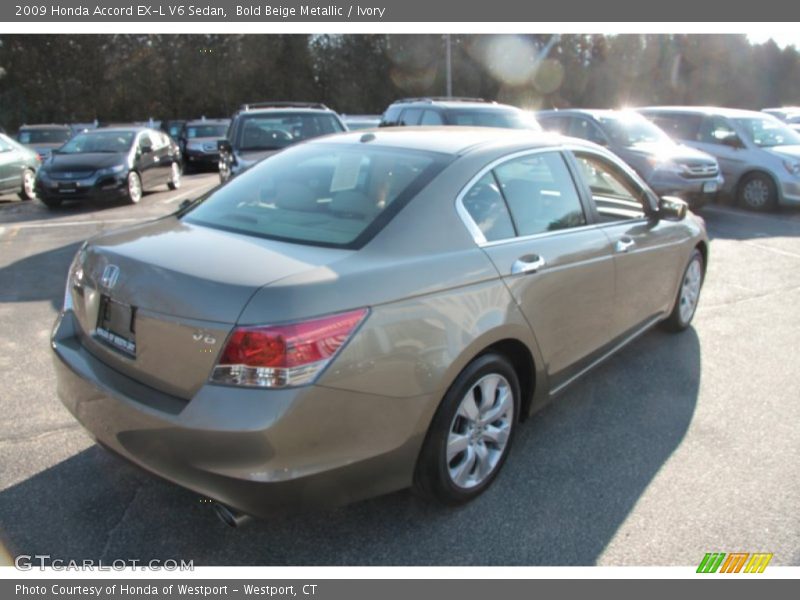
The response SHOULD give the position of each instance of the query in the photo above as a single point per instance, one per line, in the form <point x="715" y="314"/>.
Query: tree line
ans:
<point x="80" y="78"/>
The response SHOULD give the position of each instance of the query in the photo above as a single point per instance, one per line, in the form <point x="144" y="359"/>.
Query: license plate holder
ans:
<point x="709" y="187"/>
<point x="116" y="325"/>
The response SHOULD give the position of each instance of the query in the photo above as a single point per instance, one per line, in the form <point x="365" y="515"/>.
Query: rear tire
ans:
<point x="758" y="192"/>
<point x="688" y="295"/>
<point x="471" y="433"/>
<point x="28" y="190"/>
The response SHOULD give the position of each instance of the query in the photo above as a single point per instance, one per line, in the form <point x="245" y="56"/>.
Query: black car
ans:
<point x="109" y="163"/>
<point x="469" y="112"/>
<point x="43" y="139"/>
<point x="259" y="130"/>
<point x="198" y="142"/>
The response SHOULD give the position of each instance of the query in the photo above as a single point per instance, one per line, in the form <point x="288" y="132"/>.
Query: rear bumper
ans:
<point x="261" y="452"/>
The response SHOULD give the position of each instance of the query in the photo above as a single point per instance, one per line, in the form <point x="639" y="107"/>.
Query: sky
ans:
<point x="782" y="39"/>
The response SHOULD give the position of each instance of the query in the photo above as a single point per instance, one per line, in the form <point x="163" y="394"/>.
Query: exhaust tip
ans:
<point x="229" y="516"/>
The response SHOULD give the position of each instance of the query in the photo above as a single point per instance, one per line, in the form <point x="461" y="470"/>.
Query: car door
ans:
<point x="718" y="137"/>
<point x="556" y="264"/>
<point x="646" y="250"/>
<point x="147" y="162"/>
<point x="162" y="149"/>
<point x="10" y="171"/>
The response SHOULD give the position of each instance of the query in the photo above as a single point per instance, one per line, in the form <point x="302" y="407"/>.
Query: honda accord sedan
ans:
<point x="365" y="312"/>
<point x="109" y="163"/>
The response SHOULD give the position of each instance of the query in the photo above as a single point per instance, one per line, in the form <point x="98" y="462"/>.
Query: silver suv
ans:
<point x="758" y="154"/>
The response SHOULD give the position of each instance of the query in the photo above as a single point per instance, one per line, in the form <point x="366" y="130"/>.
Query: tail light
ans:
<point x="280" y="356"/>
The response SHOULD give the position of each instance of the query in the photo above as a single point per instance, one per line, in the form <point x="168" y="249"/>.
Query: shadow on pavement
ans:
<point x="576" y="471"/>
<point x="739" y="224"/>
<point x="34" y="278"/>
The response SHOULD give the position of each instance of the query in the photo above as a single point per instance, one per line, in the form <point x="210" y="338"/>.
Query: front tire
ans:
<point x="470" y="436"/>
<point x="28" y="190"/>
<point x="134" y="191"/>
<point x="175" y="177"/>
<point x="688" y="295"/>
<point x="758" y="192"/>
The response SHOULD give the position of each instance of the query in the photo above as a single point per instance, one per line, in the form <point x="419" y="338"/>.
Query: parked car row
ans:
<point x="690" y="152"/>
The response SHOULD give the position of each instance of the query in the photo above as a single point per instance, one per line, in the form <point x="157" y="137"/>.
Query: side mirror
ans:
<point x="672" y="208"/>
<point x="224" y="146"/>
<point x="732" y="141"/>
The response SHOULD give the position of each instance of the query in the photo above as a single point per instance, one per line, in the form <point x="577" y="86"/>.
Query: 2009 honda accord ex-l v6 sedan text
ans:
<point x="368" y="311"/>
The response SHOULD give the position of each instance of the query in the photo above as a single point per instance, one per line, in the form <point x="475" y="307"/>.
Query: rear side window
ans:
<point x="411" y="116"/>
<point x="320" y="194"/>
<point x="587" y="130"/>
<point x="431" y="117"/>
<point x="678" y="127"/>
<point x="391" y="116"/>
<point x="486" y="206"/>
<point x="540" y="193"/>
<point x="555" y="124"/>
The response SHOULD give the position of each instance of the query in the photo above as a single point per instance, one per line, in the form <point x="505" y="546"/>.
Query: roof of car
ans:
<point x="455" y="103"/>
<point x="592" y="112"/>
<point x="446" y="139"/>
<point x="121" y="129"/>
<point x="195" y="122"/>
<point x="706" y="110"/>
<point x="46" y="126"/>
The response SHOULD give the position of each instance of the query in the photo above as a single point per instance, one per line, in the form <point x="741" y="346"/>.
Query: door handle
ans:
<point x="530" y="263"/>
<point x="624" y="244"/>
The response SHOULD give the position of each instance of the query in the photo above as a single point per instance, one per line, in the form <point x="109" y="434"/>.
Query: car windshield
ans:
<point x="206" y="131"/>
<point x="99" y="141"/>
<point x="276" y="130"/>
<point x="320" y="194"/>
<point x="631" y="129"/>
<point x="509" y="119"/>
<point x="767" y="133"/>
<point x="43" y="136"/>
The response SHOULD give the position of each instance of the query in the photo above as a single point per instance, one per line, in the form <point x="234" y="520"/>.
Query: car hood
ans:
<point x="673" y="152"/>
<point x="792" y="152"/>
<point x="250" y="157"/>
<point x="89" y="161"/>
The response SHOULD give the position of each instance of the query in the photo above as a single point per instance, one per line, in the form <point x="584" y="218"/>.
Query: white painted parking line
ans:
<point x="182" y="196"/>
<point x="47" y="224"/>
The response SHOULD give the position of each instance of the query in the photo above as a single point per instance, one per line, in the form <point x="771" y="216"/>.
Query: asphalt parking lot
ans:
<point x="678" y="446"/>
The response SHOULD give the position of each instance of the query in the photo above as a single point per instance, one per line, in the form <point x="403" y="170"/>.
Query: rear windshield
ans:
<point x="206" y="131"/>
<point x="44" y="136"/>
<point x="510" y="119"/>
<point x="320" y="194"/>
<point x="275" y="130"/>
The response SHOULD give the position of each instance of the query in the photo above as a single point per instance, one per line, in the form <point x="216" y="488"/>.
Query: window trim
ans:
<point x="475" y="231"/>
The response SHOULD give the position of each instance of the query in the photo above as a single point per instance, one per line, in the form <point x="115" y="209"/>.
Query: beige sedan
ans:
<point x="366" y="312"/>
